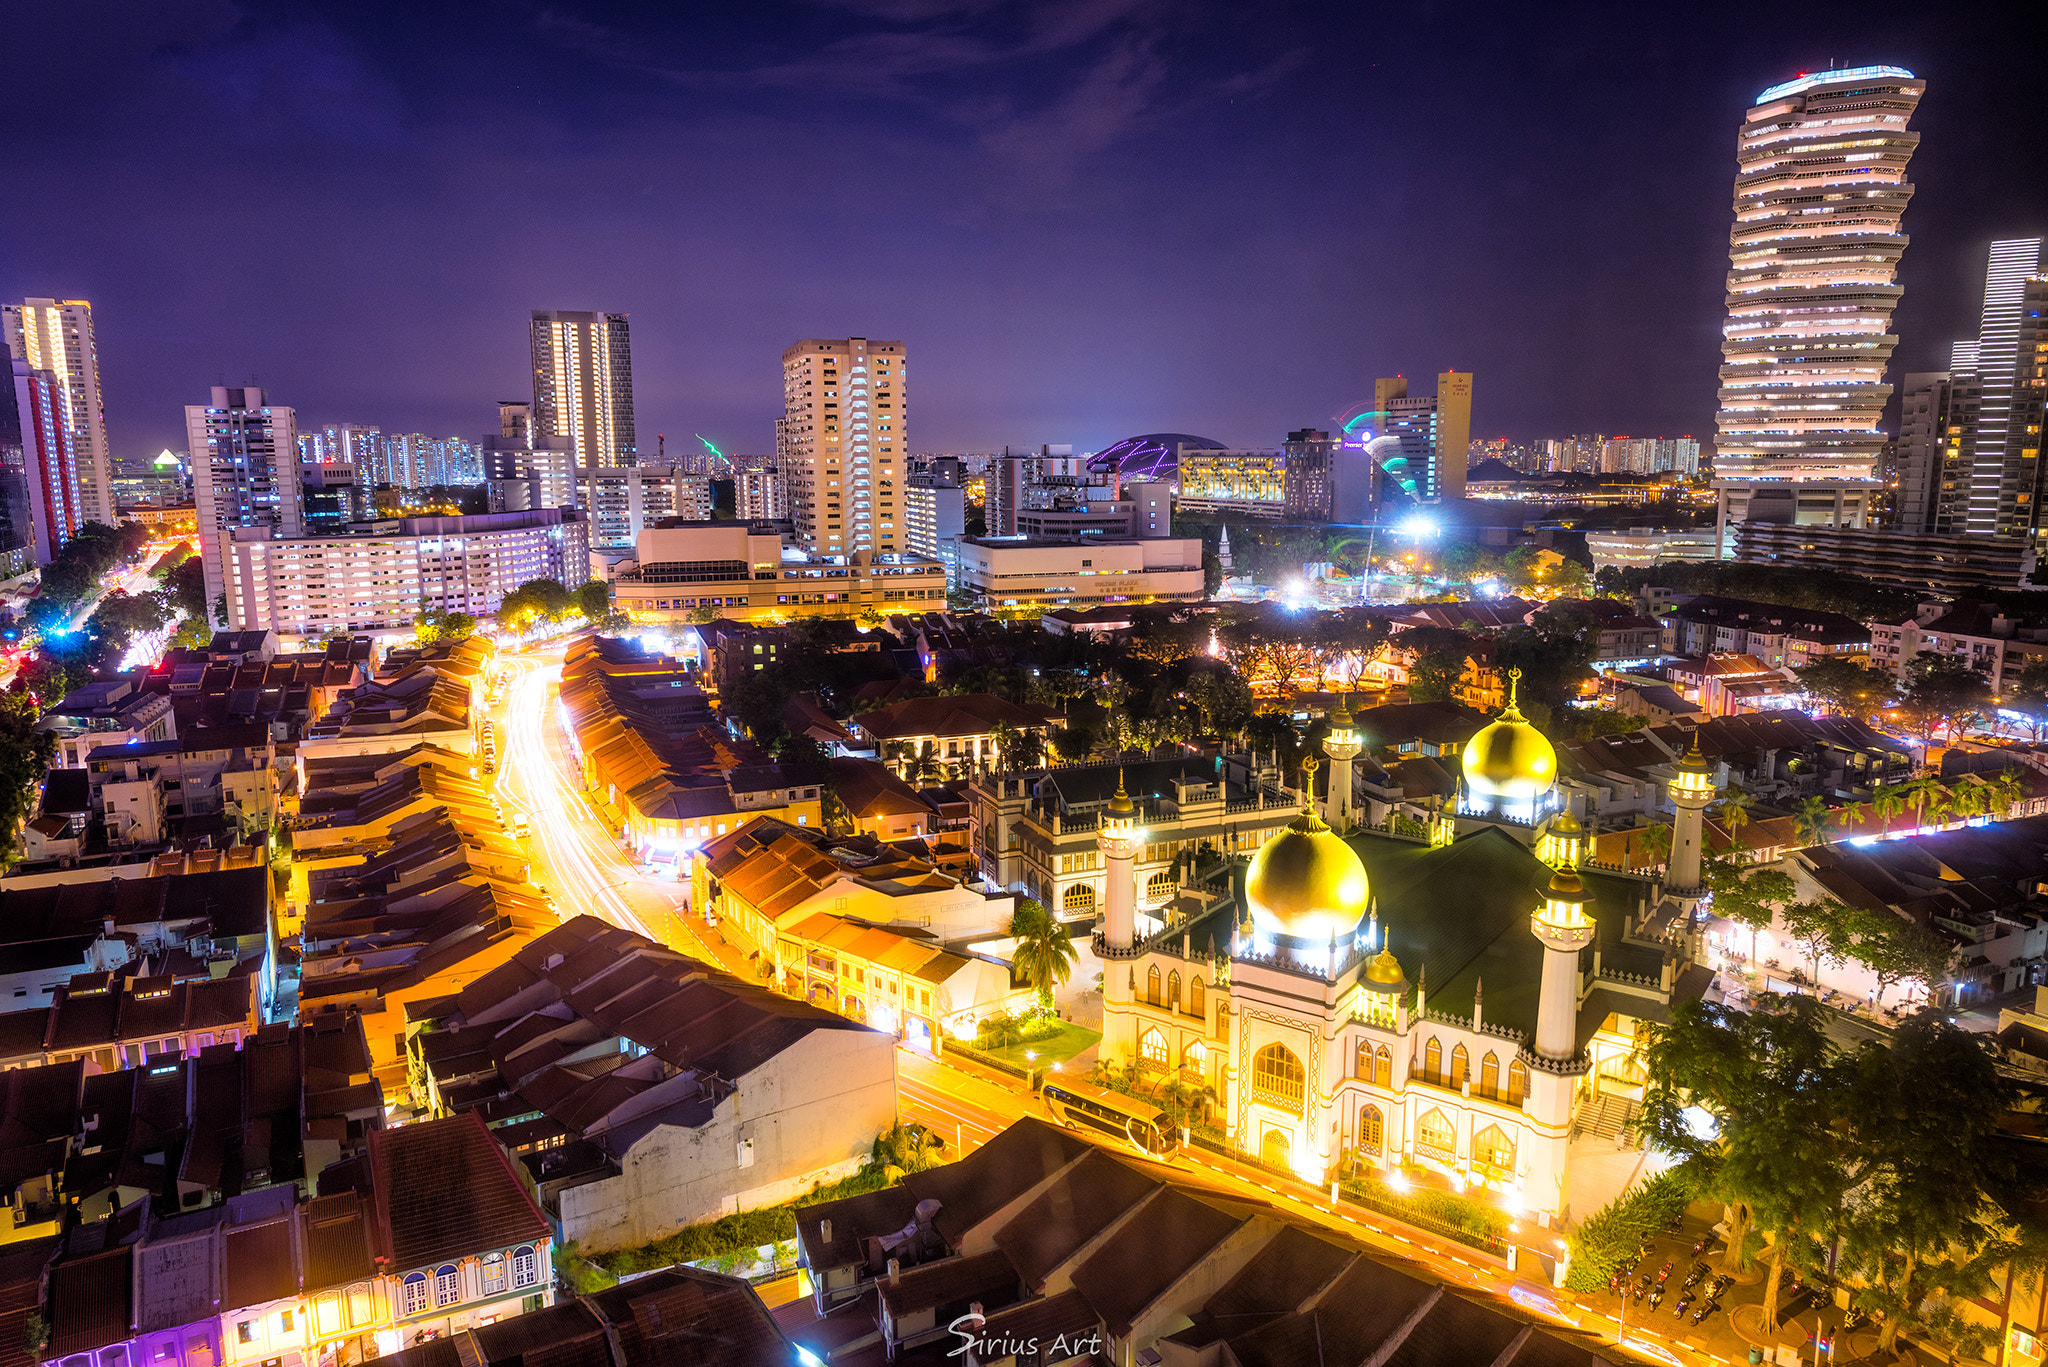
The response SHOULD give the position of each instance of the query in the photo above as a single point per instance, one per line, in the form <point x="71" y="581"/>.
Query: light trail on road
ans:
<point x="582" y="881"/>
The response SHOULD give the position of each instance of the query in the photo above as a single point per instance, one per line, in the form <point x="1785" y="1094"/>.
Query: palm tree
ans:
<point x="1918" y="792"/>
<point x="2006" y="788"/>
<point x="1889" y="802"/>
<point x="923" y="767"/>
<point x="1044" y="956"/>
<point x="1657" y="843"/>
<point x="1734" y="811"/>
<point x="1940" y="805"/>
<point x="1971" y="800"/>
<point x="1810" y="819"/>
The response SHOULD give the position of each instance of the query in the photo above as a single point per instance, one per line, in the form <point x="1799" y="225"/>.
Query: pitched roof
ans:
<point x="965" y="714"/>
<point x="443" y="1188"/>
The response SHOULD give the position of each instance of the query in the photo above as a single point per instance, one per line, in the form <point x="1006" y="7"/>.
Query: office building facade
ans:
<point x="1969" y="445"/>
<point x="748" y="573"/>
<point x="245" y="474"/>
<point x="1420" y="443"/>
<point x="583" y="385"/>
<point x="57" y="336"/>
<point x="935" y="514"/>
<point x="1028" y="572"/>
<point x="1813" y="279"/>
<point x="840" y="444"/>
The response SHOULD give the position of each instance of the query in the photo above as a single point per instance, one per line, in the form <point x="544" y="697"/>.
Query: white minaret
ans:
<point x="1342" y="746"/>
<point x="1692" y="789"/>
<point x="1565" y="929"/>
<point x="1223" y="553"/>
<point x="1120" y="842"/>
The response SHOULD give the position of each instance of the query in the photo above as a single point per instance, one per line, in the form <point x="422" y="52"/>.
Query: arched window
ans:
<point x="1152" y="984"/>
<point x="1196" y="1059"/>
<point x="1518" y="1081"/>
<point x="1152" y="1047"/>
<point x="1489" y="1075"/>
<point x="1277" y="1077"/>
<point x="412" y="1294"/>
<point x="1372" y="1131"/>
<point x="525" y="1266"/>
<point x="1364" y="1060"/>
<point x="1195" y="1004"/>
<point x="1078" y="897"/>
<point x="447" y="1285"/>
<point x="1433" y="1061"/>
<point x="1461" y="1066"/>
<point x="494" y="1273"/>
<point x="1435" y="1133"/>
<point x="1159" y="887"/>
<point x="1276" y="1150"/>
<point x="1173" y="990"/>
<point x="1383" y="1067"/>
<point x="1492" y="1147"/>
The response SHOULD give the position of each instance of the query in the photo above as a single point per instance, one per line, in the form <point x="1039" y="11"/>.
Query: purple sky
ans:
<point x="1087" y="218"/>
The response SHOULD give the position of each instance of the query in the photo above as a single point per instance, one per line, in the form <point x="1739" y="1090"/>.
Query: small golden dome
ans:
<point x="1383" y="967"/>
<point x="1307" y="883"/>
<point x="1121" y="804"/>
<point x="1564" y="823"/>
<point x="1341" y="719"/>
<point x="1693" y="762"/>
<point x="1566" y="887"/>
<point x="1509" y="758"/>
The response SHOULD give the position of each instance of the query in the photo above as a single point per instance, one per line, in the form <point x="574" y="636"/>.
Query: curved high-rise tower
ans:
<point x="1812" y="281"/>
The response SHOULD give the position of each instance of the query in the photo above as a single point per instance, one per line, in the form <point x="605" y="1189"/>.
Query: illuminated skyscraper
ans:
<point x="38" y="467"/>
<point x="1970" y="436"/>
<point x="57" y="336"/>
<point x="1813" y="278"/>
<point x="583" y="385"/>
<point x="840" y="444"/>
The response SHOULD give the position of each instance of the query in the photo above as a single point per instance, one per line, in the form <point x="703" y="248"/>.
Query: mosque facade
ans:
<point x="1364" y="1001"/>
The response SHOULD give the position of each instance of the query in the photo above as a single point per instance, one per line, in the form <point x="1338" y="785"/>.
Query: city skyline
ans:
<point x="1039" y="222"/>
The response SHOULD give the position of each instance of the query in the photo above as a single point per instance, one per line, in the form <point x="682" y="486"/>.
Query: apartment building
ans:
<point x="1777" y="635"/>
<point x="841" y="444"/>
<point x="1973" y="634"/>
<point x="622" y="502"/>
<point x="382" y="579"/>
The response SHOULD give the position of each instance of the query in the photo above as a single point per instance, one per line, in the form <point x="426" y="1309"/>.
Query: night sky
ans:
<point x="1087" y="219"/>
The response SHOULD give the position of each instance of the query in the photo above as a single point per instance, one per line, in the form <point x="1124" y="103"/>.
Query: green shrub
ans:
<point x="740" y="1233"/>
<point x="1476" y="1220"/>
<point x="1608" y="1239"/>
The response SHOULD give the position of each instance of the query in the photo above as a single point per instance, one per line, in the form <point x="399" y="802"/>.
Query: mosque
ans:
<point x="1362" y="1000"/>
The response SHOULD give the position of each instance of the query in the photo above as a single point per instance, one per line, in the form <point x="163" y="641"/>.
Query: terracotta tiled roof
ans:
<point x="444" y="1188"/>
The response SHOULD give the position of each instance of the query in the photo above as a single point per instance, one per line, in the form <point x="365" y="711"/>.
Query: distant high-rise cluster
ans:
<point x="1969" y="455"/>
<point x="583" y="385"/>
<point x="840" y="443"/>
<point x="403" y="460"/>
<point x="1812" y="282"/>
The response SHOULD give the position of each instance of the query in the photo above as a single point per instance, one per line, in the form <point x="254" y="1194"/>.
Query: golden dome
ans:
<point x="1383" y="967"/>
<point x="1307" y="883"/>
<point x="1509" y="758"/>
